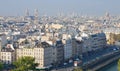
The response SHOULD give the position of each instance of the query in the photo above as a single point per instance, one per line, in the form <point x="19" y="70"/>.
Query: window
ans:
<point x="8" y="57"/>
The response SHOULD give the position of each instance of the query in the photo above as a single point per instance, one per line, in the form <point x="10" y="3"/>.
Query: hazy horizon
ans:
<point x="52" y="7"/>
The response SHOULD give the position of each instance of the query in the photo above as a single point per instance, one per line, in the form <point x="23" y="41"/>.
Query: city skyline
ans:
<point x="62" y="35"/>
<point x="52" y="7"/>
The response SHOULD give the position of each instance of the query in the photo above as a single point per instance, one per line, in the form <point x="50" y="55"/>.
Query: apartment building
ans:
<point x="77" y="46"/>
<point x="41" y="52"/>
<point x="67" y="41"/>
<point x="58" y="52"/>
<point x="7" y="54"/>
<point x="94" y="42"/>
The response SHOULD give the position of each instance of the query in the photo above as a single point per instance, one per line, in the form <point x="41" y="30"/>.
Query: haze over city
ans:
<point x="52" y="7"/>
<point x="59" y="35"/>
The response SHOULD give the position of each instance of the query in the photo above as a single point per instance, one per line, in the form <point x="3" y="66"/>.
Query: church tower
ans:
<point x="36" y="16"/>
<point x="27" y="12"/>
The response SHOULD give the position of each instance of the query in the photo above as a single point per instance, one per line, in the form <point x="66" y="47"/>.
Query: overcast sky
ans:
<point x="52" y="7"/>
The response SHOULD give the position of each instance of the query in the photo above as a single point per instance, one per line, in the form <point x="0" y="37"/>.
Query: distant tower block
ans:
<point x="36" y="15"/>
<point x="27" y="12"/>
<point x="107" y="16"/>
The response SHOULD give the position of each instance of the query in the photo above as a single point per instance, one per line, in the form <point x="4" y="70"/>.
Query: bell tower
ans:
<point x="36" y="15"/>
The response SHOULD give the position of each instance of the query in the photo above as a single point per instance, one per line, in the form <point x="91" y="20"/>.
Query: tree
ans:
<point x="1" y="66"/>
<point x="112" y="38"/>
<point x="77" y="69"/>
<point x="25" y="63"/>
<point x="119" y="65"/>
